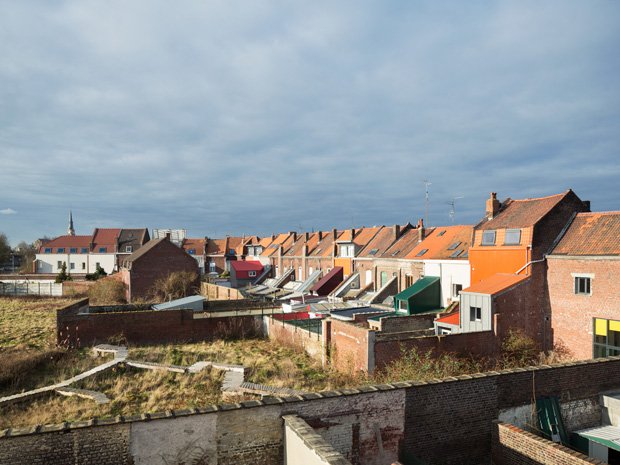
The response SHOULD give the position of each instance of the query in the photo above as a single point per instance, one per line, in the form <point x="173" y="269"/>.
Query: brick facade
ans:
<point x="572" y="313"/>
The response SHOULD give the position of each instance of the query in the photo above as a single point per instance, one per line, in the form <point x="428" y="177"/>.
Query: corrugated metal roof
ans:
<point x="607" y="435"/>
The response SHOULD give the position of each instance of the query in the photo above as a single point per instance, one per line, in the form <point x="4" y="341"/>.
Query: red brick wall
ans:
<point x="347" y="345"/>
<point x="513" y="446"/>
<point x="289" y="334"/>
<point x="389" y="347"/>
<point x="157" y="263"/>
<point x="571" y="314"/>
<point x="150" y="327"/>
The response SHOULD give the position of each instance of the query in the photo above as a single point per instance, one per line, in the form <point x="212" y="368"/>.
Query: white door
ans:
<point x="368" y="277"/>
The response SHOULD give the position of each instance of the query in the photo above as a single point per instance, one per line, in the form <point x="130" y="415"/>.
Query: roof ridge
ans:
<point x="561" y="194"/>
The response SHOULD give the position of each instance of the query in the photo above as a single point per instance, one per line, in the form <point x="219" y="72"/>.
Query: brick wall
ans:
<point x="572" y="313"/>
<point x="513" y="446"/>
<point x="288" y="334"/>
<point x="150" y="327"/>
<point x="441" y="421"/>
<point x="348" y="345"/>
<point x="395" y="324"/>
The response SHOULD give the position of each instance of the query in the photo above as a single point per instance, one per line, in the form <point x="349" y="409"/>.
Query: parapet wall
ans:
<point x="446" y="421"/>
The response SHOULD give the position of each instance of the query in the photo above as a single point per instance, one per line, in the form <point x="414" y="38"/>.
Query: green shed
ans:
<point x="423" y="296"/>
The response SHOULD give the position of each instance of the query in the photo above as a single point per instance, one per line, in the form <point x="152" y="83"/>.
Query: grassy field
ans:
<point x="30" y="359"/>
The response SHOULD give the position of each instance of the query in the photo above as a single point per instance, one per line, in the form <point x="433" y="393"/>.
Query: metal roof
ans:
<point x="607" y="435"/>
<point x="185" y="302"/>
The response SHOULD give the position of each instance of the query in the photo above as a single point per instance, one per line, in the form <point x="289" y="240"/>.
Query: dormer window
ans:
<point x="191" y="251"/>
<point x="488" y="237"/>
<point x="347" y="250"/>
<point x="513" y="237"/>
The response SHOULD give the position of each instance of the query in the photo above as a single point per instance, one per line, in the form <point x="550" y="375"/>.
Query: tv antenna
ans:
<point x="452" y="203"/>
<point x="426" y="200"/>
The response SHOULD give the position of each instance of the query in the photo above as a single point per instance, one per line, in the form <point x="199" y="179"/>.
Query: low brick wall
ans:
<point x="396" y="324"/>
<point x="215" y="292"/>
<point x="349" y="345"/>
<point x="513" y="446"/>
<point x="75" y="329"/>
<point x="288" y="334"/>
<point x="389" y="346"/>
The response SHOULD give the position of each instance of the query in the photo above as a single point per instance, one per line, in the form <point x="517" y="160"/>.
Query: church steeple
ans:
<point x="70" y="230"/>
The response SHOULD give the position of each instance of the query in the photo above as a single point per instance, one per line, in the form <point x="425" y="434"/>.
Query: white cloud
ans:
<point x="8" y="211"/>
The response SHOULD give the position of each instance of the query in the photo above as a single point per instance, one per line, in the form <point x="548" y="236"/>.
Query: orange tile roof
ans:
<point x="197" y="244"/>
<point x="591" y="234"/>
<point x="453" y="318"/>
<point x="496" y="283"/>
<point x="405" y="243"/>
<point x="439" y="241"/>
<point x="325" y="246"/>
<point x="273" y="247"/>
<point x="382" y="241"/>
<point x="522" y="213"/>
<point x="216" y="246"/>
<point x="297" y="248"/>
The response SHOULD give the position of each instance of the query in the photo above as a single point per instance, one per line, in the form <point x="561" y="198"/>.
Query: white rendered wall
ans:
<point x="450" y="272"/>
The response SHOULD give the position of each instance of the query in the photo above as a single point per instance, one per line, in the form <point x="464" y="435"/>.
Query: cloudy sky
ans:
<point x="232" y="117"/>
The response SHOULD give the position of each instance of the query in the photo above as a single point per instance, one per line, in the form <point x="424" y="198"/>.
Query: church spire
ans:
<point x="70" y="230"/>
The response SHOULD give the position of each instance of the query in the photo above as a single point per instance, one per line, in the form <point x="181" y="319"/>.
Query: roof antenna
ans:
<point x="453" y="204"/>
<point x="426" y="201"/>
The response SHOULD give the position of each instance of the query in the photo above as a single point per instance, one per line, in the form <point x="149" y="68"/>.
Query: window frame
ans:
<point x="512" y="231"/>
<point x="475" y="314"/>
<point x="252" y="274"/>
<point x="60" y="250"/>
<point x="586" y="280"/>
<point x="487" y="232"/>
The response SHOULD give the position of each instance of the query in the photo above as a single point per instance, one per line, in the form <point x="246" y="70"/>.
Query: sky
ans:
<point x="236" y="117"/>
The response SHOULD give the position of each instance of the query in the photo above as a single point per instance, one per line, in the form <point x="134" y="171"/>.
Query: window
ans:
<point x="488" y="237"/>
<point x="48" y="250"/>
<point x="454" y="245"/>
<point x="513" y="237"/>
<point x="403" y="306"/>
<point x="347" y="250"/>
<point x="129" y="248"/>
<point x="212" y="267"/>
<point x="475" y="314"/>
<point x="252" y="274"/>
<point x="583" y="285"/>
<point x="373" y="252"/>
<point x="300" y="274"/>
<point x="83" y="250"/>
<point x="192" y="251"/>
<point x="231" y="251"/>
<point x="73" y="250"/>
<point x="606" y="337"/>
<point x="59" y="264"/>
<point x="60" y="250"/>
<point x="441" y="233"/>
<point x="83" y="265"/>
<point x="40" y="264"/>
<point x="456" y="288"/>
<point x="421" y="252"/>
<point x="456" y="253"/>
<point x="72" y="266"/>
<point x="441" y="330"/>
<point x="103" y="249"/>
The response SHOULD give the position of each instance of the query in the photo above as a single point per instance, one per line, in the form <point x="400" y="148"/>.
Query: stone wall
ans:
<point x="446" y="421"/>
<point x="513" y="446"/>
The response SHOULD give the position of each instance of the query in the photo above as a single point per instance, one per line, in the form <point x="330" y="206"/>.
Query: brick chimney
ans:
<point x="352" y="234"/>
<point x="334" y="233"/>
<point x="320" y="236"/>
<point x="492" y="207"/>
<point x="421" y="230"/>
<point x="294" y="234"/>
<point x="396" y="229"/>
<point x="306" y="236"/>
<point x="586" y="205"/>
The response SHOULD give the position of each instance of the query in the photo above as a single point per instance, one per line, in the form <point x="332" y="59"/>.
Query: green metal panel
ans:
<point x="550" y="419"/>
<point x="424" y="295"/>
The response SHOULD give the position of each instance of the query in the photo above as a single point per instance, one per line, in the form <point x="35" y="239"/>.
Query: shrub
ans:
<point x="62" y="275"/>
<point x="107" y="292"/>
<point x="518" y="349"/>
<point x="176" y="285"/>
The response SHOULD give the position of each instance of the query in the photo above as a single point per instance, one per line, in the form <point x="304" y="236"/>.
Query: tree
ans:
<point x="62" y="275"/>
<point x="5" y="248"/>
<point x="28" y="253"/>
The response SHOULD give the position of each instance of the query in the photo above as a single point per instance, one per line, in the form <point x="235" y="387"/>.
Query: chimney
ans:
<point x="586" y="205"/>
<point x="306" y="236"/>
<point x="168" y="236"/>
<point x="334" y="233"/>
<point x="352" y="233"/>
<point x="304" y="251"/>
<point x="492" y="207"/>
<point x="294" y="234"/>
<point x="320" y="236"/>
<point x="273" y="237"/>
<point x="396" y="231"/>
<point x="421" y="230"/>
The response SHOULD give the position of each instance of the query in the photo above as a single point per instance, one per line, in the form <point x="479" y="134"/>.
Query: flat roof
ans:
<point x="496" y="283"/>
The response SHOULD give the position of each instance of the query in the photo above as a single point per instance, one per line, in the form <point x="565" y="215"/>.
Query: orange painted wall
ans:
<point x="345" y="263"/>
<point x="486" y="261"/>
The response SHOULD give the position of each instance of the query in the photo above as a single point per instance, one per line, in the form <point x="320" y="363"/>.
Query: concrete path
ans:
<point x="120" y="354"/>
<point x="98" y="397"/>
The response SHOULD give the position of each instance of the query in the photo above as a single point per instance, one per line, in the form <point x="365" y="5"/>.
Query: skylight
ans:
<point x="454" y="246"/>
<point x="373" y="252"/>
<point x="456" y="253"/>
<point x="395" y="253"/>
<point x="441" y="233"/>
<point x="421" y="252"/>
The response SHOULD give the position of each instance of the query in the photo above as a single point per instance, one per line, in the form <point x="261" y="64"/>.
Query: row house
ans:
<point x="220" y="252"/>
<point x="196" y="248"/>
<point x="582" y="279"/>
<point x="106" y="247"/>
<point x="508" y="266"/>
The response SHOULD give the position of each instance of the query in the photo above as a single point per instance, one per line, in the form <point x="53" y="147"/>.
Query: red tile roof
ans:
<point x="591" y="234"/>
<point x="382" y="241"/>
<point x="66" y="242"/>
<point x="405" y="243"/>
<point x="246" y="265"/>
<point x="496" y="283"/>
<point x="453" y="318"/>
<point x="197" y="244"/>
<point x="105" y="237"/>
<point x="216" y="246"/>
<point x="438" y="242"/>
<point x="522" y="213"/>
